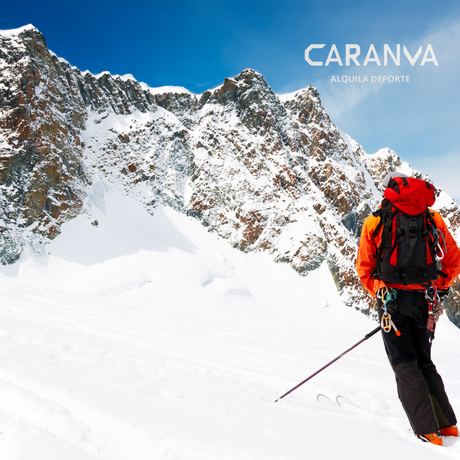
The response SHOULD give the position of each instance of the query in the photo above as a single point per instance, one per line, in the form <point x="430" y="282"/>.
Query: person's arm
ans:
<point x="367" y="253"/>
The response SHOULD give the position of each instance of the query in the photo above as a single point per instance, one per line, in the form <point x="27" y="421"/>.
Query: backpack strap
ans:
<point x="379" y="213"/>
<point x="412" y="235"/>
<point x="386" y="214"/>
<point x="383" y="212"/>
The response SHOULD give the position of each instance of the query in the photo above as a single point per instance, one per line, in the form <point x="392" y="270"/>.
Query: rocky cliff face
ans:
<point x="41" y="171"/>
<point x="267" y="172"/>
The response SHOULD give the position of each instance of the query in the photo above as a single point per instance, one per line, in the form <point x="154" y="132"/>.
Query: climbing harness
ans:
<point x="388" y="296"/>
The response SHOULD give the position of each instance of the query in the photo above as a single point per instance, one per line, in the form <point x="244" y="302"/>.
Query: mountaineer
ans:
<point x="408" y="260"/>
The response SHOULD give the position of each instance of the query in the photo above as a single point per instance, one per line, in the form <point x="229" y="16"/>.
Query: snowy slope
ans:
<point x="146" y="337"/>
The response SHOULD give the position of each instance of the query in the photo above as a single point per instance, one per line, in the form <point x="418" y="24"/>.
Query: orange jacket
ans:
<point x="368" y="246"/>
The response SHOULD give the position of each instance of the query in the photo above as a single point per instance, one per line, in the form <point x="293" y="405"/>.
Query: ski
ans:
<point x="342" y="401"/>
<point x="326" y="400"/>
<point x="339" y="401"/>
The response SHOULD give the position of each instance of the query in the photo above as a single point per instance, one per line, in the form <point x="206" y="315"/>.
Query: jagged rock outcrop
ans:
<point x="267" y="172"/>
<point x="41" y="172"/>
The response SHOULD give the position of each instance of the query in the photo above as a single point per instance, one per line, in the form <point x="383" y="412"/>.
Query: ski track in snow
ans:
<point x="178" y="351"/>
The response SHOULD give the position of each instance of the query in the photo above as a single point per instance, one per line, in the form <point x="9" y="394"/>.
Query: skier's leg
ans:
<point x="413" y="390"/>
<point x="442" y="407"/>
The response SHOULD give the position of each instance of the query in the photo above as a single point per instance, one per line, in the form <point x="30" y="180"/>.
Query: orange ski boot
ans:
<point x="434" y="438"/>
<point x="450" y="431"/>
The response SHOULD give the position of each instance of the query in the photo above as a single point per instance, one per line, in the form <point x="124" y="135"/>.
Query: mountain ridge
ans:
<point x="266" y="172"/>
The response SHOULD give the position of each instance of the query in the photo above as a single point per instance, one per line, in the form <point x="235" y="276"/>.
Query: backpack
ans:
<point x="408" y="250"/>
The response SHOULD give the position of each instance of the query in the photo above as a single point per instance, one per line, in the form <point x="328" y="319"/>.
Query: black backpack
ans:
<point x="408" y="250"/>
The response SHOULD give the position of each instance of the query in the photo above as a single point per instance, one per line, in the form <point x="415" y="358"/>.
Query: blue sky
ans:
<point x="197" y="44"/>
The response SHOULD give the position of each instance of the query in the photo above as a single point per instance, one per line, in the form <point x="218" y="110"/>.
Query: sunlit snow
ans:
<point x="146" y="337"/>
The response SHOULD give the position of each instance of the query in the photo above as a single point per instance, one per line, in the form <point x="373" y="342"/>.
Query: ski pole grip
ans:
<point x="377" y="329"/>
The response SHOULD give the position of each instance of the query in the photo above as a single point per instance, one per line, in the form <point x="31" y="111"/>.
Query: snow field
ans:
<point x="149" y="338"/>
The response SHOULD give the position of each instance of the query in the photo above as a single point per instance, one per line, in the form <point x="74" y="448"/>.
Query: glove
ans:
<point x="443" y="293"/>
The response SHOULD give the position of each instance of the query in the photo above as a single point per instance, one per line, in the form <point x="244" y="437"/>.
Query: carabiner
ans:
<point x="386" y="322"/>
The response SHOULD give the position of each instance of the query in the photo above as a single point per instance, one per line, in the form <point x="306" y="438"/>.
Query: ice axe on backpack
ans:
<point x="367" y="336"/>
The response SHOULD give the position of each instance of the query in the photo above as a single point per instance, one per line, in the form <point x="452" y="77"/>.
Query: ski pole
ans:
<point x="367" y="336"/>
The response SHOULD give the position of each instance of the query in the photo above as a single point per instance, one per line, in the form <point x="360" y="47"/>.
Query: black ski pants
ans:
<point x="420" y="387"/>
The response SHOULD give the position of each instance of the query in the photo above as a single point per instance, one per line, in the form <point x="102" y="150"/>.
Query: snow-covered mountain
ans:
<point x="266" y="172"/>
<point x="130" y="328"/>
